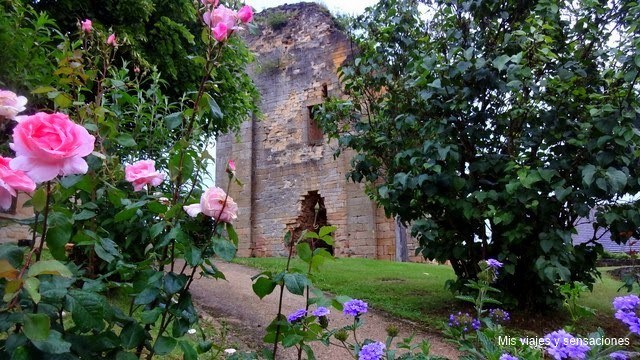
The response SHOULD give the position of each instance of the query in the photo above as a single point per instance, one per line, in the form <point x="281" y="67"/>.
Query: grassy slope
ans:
<point x="416" y="292"/>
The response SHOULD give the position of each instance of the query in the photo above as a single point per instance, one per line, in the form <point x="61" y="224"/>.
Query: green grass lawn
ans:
<point x="416" y="292"/>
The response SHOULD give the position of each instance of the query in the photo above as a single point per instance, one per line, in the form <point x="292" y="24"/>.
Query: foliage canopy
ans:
<point x="495" y="127"/>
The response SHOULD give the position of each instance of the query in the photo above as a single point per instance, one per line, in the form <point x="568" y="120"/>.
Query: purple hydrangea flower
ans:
<point x="372" y="351"/>
<point x="618" y="356"/>
<point x="296" y="315"/>
<point x="625" y="307"/>
<point x="355" y="307"/>
<point x="562" y="345"/>
<point x="626" y="303"/>
<point x="494" y="264"/>
<point x="507" y="356"/>
<point x="321" y="311"/>
<point x="464" y="322"/>
<point x="499" y="315"/>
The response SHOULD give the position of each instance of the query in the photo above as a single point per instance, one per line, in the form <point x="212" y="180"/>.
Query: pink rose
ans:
<point x="231" y="166"/>
<point x="48" y="145"/>
<point x="141" y="173"/>
<point x="222" y="22"/>
<point x="11" y="104"/>
<point x="245" y="14"/>
<point x="12" y="181"/>
<point x="111" y="40"/>
<point x="86" y="25"/>
<point x="220" y="32"/>
<point x="212" y="203"/>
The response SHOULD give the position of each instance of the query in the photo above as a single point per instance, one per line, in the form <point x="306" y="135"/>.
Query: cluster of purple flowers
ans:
<point x="464" y="322"/>
<point x="372" y="351"/>
<point x="355" y="307"/>
<point x="562" y="345"/>
<point x="625" y="307"/>
<point x="507" y="356"/>
<point x="296" y="315"/>
<point x="499" y="315"/>
<point x="321" y="311"/>
<point x="618" y="356"/>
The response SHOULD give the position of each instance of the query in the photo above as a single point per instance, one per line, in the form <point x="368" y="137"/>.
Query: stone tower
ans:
<point x="291" y="179"/>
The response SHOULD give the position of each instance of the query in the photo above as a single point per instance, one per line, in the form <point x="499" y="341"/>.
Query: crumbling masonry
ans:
<point x="291" y="179"/>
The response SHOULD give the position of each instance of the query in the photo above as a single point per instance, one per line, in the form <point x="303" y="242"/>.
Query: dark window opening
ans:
<point x="313" y="216"/>
<point x="314" y="132"/>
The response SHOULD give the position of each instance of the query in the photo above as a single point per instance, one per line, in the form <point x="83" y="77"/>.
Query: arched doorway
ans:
<point x="313" y="216"/>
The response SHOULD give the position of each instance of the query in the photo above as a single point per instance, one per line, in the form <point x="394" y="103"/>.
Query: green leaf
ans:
<point x="39" y="199"/>
<point x="146" y="296"/>
<point x="193" y="255"/>
<point x="84" y="215"/>
<point x="53" y="267"/>
<point x="233" y="236"/>
<point x="326" y="230"/>
<point x="617" y="179"/>
<point x="132" y="335"/>
<point x="500" y="62"/>
<point x="126" y="140"/>
<point x="291" y="340"/>
<point x="189" y="353"/>
<point x="53" y="344"/>
<point x="12" y="253"/>
<point x="224" y="248"/>
<point x="150" y="316"/>
<point x="216" y="113"/>
<point x="173" y="120"/>
<point x="263" y="287"/>
<point x="304" y="251"/>
<point x="173" y="282"/>
<point x="164" y="345"/>
<point x="87" y="310"/>
<point x="296" y="283"/>
<point x="156" y="229"/>
<point x="121" y="355"/>
<point x="31" y="285"/>
<point x="43" y="90"/>
<point x="125" y="214"/>
<point x="37" y="326"/>
<point x="587" y="174"/>
<point x="57" y="238"/>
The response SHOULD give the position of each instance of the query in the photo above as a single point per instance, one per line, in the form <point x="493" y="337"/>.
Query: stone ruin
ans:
<point x="291" y="179"/>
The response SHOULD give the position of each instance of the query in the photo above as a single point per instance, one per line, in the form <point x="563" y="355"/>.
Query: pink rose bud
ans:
<point x="12" y="181"/>
<point x="48" y="145"/>
<point x="216" y="204"/>
<point x="86" y="25"/>
<point x="143" y="173"/>
<point x="220" y="32"/>
<point x="245" y="14"/>
<point x="11" y="104"/>
<point x="231" y="166"/>
<point x="111" y="40"/>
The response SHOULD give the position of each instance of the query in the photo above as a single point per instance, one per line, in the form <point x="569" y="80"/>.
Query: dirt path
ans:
<point x="234" y="302"/>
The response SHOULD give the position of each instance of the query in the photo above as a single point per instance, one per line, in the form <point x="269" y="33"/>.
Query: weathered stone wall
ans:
<point x="11" y="232"/>
<point x="278" y="158"/>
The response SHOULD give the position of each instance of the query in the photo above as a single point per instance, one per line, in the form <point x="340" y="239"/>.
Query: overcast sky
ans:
<point x="350" y="7"/>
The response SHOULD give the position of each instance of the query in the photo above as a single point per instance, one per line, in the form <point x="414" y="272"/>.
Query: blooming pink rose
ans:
<point x="48" y="145"/>
<point x="86" y="25"/>
<point x="245" y="14"/>
<point x="10" y="181"/>
<point x="111" y="40"/>
<point x="141" y="173"/>
<point x="222" y="22"/>
<point x="220" y="32"/>
<point x="11" y="104"/>
<point x="212" y="203"/>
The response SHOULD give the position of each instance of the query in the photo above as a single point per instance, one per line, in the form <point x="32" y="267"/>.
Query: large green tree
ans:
<point x="494" y="127"/>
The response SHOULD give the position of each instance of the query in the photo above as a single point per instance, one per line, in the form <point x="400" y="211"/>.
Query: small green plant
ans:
<point x="571" y="294"/>
<point x="277" y="20"/>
